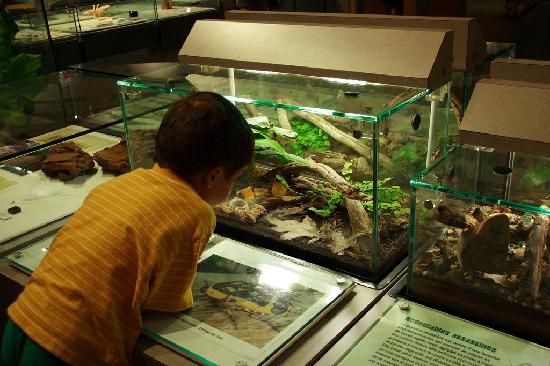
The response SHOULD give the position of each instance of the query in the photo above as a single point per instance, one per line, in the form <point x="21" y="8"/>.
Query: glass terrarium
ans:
<point x="481" y="214"/>
<point x="481" y="219"/>
<point x="333" y="157"/>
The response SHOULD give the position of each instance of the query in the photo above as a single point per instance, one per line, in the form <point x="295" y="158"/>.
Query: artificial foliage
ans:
<point x="309" y="138"/>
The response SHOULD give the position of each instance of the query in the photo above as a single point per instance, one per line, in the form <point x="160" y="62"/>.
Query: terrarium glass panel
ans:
<point x="333" y="158"/>
<point x="53" y="107"/>
<point x="481" y="222"/>
<point x="93" y="16"/>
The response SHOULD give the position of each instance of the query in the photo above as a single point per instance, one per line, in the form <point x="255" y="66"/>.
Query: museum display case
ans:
<point x="92" y="16"/>
<point x="51" y="33"/>
<point x="63" y="107"/>
<point x="480" y="217"/>
<point x="42" y="104"/>
<point x="333" y="155"/>
<point x="177" y="8"/>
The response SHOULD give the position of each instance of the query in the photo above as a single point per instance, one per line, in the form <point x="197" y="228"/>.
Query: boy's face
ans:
<point x="219" y="185"/>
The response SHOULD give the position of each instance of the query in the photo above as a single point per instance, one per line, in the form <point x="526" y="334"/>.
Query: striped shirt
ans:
<point x="134" y="244"/>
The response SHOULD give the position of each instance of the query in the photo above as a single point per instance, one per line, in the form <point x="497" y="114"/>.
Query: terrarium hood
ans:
<point x="531" y="71"/>
<point x="508" y="115"/>
<point x="405" y="57"/>
<point x="469" y="46"/>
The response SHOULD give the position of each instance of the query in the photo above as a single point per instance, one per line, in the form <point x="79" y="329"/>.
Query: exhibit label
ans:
<point x="411" y="334"/>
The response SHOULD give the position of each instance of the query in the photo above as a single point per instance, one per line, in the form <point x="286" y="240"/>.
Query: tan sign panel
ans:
<point x="415" y="58"/>
<point x="508" y="115"/>
<point x="468" y="45"/>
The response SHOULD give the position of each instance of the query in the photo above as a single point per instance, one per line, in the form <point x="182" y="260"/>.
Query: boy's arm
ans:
<point x="170" y="285"/>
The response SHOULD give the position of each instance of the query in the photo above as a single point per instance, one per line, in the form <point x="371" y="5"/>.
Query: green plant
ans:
<point x="536" y="175"/>
<point x="310" y="137"/>
<point x="390" y="198"/>
<point x="264" y="144"/>
<point x="409" y="157"/>
<point x="334" y="199"/>
<point x="283" y="181"/>
<point x="347" y="170"/>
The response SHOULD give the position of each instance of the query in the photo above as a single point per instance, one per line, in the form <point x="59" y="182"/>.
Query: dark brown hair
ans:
<point x="201" y="131"/>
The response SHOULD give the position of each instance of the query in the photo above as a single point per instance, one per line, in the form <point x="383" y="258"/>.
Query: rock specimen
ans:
<point x="66" y="161"/>
<point x="114" y="159"/>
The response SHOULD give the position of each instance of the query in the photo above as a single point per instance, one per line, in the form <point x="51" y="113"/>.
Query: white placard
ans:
<point x="411" y="334"/>
<point x="249" y="303"/>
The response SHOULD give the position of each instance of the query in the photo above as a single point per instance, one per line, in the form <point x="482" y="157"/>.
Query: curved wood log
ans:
<point x="283" y="117"/>
<point x="535" y="250"/>
<point x="340" y="184"/>
<point x="361" y="224"/>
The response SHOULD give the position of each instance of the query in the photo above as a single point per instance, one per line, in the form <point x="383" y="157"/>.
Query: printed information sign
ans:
<point x="411" y="334"/>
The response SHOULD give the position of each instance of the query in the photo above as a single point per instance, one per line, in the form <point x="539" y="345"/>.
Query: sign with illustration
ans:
<point x="248" y="304"/>
<point x="411" y="334"/>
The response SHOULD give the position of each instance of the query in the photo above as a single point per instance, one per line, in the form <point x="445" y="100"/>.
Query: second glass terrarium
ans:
<point x="333" y="158"/>
<point x="481" y="214"/>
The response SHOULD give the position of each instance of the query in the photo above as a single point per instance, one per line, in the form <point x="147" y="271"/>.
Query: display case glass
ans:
<point x="37" y="114"/>
<point x="333" y="158"/>
<point x="33" y="27"/>
<point x="51" y="182"/>
<point x="464" y="81"/>
<point x="480" y="232"/>
<point x="24" y="45"/>
<point x="177" y="8"/>
<point x="42" y="104"/>
<point x="92" y="16"/>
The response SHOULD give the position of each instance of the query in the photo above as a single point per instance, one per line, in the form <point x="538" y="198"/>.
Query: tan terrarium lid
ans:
<point x="508" y="115"/>
<point x="468" y="45"/>
<point x="532" y="71"/>
<point x="413" y="58"/>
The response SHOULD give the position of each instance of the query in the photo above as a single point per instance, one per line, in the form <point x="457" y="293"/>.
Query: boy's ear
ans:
<point x="213" y="175"/>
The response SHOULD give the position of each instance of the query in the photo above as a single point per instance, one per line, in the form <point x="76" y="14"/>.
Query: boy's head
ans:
<point x="205" y="140"/>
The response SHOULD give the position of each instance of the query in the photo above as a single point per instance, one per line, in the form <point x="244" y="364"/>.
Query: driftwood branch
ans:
<point x="251" y="110"/>
<point x="283" y="117"/>
<point x="340" y="184"/>
<point x="361" y="224"/>
<point x="534" y="253"/>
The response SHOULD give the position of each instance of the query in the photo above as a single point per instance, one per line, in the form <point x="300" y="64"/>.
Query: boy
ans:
<point x="134" y="244"/>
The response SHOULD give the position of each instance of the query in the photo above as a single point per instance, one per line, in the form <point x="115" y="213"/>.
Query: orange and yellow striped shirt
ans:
<point x="134" y="244"/>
